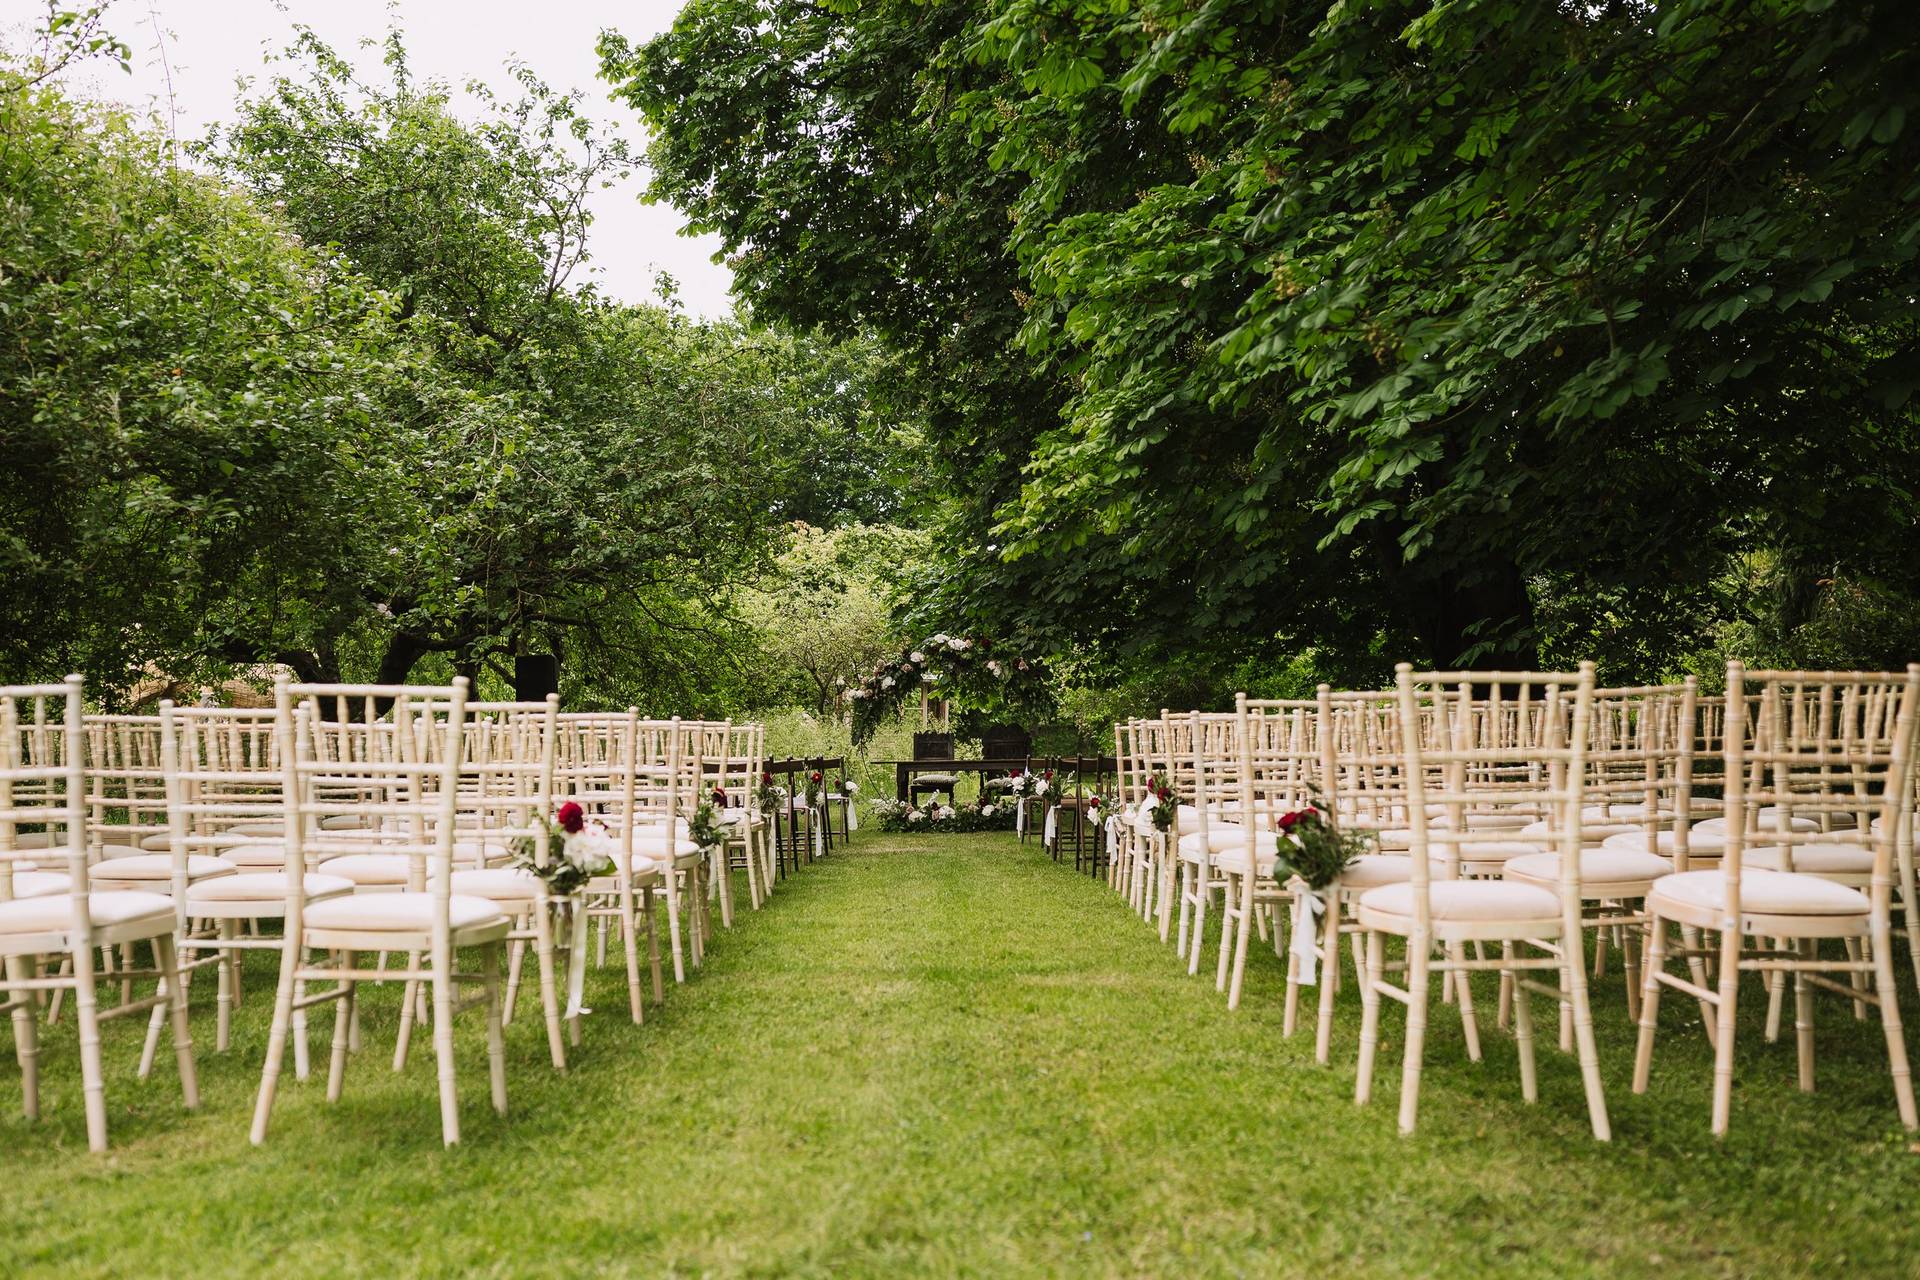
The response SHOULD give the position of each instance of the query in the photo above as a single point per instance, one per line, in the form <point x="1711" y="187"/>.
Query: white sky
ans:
<point x="210" y="43"/>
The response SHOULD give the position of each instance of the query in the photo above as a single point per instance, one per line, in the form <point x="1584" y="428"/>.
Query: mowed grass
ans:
<point x="950" y="1056"/>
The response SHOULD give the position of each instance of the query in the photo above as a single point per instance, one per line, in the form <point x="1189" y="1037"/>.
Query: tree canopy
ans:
<point x="1486" y="329"/>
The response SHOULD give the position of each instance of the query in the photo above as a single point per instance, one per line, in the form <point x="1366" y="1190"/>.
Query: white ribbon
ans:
<point x="577" y="960"/>
<point x="1113" y="833"/>
<point x="853" y="814"/>
<point x="819" y="833"/>
<point x="1305" y="947"/>
<point x="1020" y="816"/>
<point x="1053" y="825"/>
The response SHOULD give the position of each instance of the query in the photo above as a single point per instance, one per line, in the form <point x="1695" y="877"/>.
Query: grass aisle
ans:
<point x="948" y="1056"/>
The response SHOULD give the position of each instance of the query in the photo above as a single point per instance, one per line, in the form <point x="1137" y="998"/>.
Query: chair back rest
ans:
<point x="1832" y="746"/>
<point x="401" y="773"/>
<point x="43" y="785"/>
<point x="1493" y="754"/>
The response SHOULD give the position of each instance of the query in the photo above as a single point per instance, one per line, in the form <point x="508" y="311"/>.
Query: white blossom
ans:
<point x="916" y="657"/>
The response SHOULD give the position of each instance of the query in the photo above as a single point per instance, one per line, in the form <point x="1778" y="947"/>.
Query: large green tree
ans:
<point x="1354" y="319"/>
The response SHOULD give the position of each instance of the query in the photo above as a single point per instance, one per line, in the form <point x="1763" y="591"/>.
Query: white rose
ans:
<point x="941" y="638"/>
<point x="914" y="815"/>
<point x="957" y="645"/>
<point x="986" y="811"/>
<point x="886" y="682"/>
<point x="916" y="657"/>
<point x="853" y="788"/>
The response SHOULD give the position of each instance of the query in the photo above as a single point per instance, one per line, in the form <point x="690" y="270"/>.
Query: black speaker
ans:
<point x="535" y="675"/>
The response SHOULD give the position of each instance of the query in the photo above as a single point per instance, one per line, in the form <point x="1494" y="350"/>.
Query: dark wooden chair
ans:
<point x="932" y="745"/>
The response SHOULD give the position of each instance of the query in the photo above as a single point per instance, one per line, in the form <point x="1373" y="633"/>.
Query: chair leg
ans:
<point x="543" y="943"/>
<point x="26" y="1042"/>
<point x="1463" y="989"/>
<point x="1776" y="993"/>
<point x="1329" y="978"/>
<point x="290" y="955"/>
<point x="496" y="1033"/>
<point x="169" y="957"/>
<point x="342" y="1031"/>
<point x="653" y="946"/>
<point x="1803" y="1016"/>
<point x="630" y="945"/>
<point x="229" y="985"/>
<point x="1723" y="1043"/>
<point x="1881" y="945"/>
<point x="516" y="960"/>
<point x="1522" y="1029"/>
<point x="409" y="1001"/>
<point x="1585" y="1046"/>
<point x="1654" y="965"/>
<point x="1419" y="981"/>
<point x="442" y="985"/>
<point x="1374" y="962"/>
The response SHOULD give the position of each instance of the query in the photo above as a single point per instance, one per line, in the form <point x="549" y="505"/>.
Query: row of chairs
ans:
<point x="1527" y="824"/>
<point x="360" y="834"/>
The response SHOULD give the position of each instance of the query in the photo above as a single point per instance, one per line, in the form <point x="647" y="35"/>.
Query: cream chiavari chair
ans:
<point x="748" y="831"/>
<point x="1269" y="774"/>
<point x="1210" y="853"/>
<point x="1120" y="823"/>
<point x="507" y="795"/>
<point x="217" y="781"/>
<point x="1362" y="788"/>
<point x="1639" y="770"/>
<point x="43" y="784"/>
<point x="415" y="797"/>
<point x="1447" y="765"/>
<point x="669" y="784"/>
<point x="599" y="768"/>
<point x="1830" y="749"/>
<point x="1143" y="741"/>
<point x="711" y="745"/>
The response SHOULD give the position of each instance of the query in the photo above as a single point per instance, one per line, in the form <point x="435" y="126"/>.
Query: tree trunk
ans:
<point x="1477" y="619"/>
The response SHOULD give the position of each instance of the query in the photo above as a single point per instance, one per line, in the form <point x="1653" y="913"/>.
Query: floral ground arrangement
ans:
<point x="989" y="812"/>
<point x="954" y="1057"/>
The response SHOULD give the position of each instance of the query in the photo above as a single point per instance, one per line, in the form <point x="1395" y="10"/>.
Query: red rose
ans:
<point x="571" y="818"/>
<point x="816" y="775"/>
<point x="1288" y="821"/>
<point x="766" y="779"/>
<point x="720" y="796"/>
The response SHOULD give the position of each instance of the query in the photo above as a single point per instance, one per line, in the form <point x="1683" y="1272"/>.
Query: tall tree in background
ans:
<point x="1438" y="313"/>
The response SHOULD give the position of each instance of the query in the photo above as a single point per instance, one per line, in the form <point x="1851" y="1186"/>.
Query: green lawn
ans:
<point x="949" y="1056"/>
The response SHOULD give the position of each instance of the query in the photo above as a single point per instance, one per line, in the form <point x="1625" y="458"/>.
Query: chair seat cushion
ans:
<point x="371" y="868"/>
<point x="1764" y="822"/>
<point x="255" y="855"/>
<point x="1813" y="859"/>
<point x="1370" y="870"/>
<point x="653" y="845"/>
<point x="53" y="913"/>
<point x="37" y="884"/>
<point x="1221" y="837"/>
<point x="1700" y="844"/>
<point x="1772" y="893"/>
<point x="1631" y="812"/>
<point x="934" y="780"/>
<point x="263" y="886"/>
<point x="501" y="884"/>
<point x="158" y="867"/>
<point x="399" y="912"/>
<point x="1599" y="868"/>
<point x="1466" y="901"/>
<point x="1596" y="832"/>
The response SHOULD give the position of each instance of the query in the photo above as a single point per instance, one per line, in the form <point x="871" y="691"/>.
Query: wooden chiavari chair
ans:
<point x="1442" y="916"/>
<point x="1830" y="751"/>
<point x="415" y="797"/>
<point x="1211" y="855"/>
<point x="43" y="784"/>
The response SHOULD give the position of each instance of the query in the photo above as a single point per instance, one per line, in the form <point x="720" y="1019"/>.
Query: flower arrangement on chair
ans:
<point x="576" y="851"/>
<point x="1312" y="853"/>
<point x="813" y="791"/>
<point x="705" y="828"/>
<point x="1165" y="803"/>
<point x="770" y="794"/>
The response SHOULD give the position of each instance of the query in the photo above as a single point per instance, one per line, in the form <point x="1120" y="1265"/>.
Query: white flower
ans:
<point x="943" y="812"/>
<point x="886" y="682"/>
<point x="986" y="811"/>
<point x="914" y="815"/>
<point x="916" y="657"/>
<point x="957" y="645"/>
<point x="849" y="695"/>
<point x="384" y="609"/>
<point x="853" y="788"/>
<point x="940" y="639"/>
<point x="1040" y="786"/>
<point x="993" y="665"/>
<point x="591" y="849"/>
<point x="928" y="677"/>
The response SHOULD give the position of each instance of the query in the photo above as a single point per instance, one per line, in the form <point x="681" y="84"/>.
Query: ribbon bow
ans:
<point x="1305" y="947"/>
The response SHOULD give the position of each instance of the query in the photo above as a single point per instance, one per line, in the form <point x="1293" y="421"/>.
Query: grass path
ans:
<point x="948" y="1056"/>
